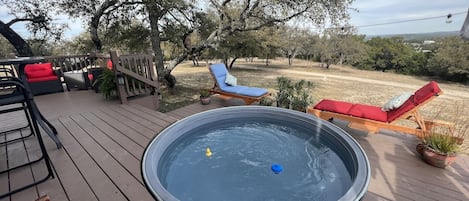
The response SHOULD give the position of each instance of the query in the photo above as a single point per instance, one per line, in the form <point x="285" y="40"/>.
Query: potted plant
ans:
<point x="438" y="150"/>
<point x="107" y="84"/>
<point x="285" y="92"/>
<point x="440" y="147"/>
<point x="204" y="96"/>
<point x="296" y="96"/>
<point x="301" y="98"/>
<point x="266" y="101"/>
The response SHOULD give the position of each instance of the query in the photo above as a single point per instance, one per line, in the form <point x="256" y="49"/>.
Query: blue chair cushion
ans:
<point x="219" y="72"/>
<point x="246" y="91"/>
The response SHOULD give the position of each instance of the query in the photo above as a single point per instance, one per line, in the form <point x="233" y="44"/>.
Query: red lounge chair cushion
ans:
<point x="396" y="113"/>
<point x="38" y="70"/>
<point x="368" y="112"/>
<point x="334" y="106"/>
<point x="42" y="79"/>
<point x="426" y="92"/>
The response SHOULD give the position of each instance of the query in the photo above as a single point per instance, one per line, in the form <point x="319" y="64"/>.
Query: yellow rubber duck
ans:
<point x="208" y="152"/>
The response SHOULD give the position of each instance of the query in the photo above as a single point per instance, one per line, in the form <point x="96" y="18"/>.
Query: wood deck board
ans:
<point x="133" y="125"/>
<point x="120" y="139"/>
<point x="163" y="116"/>
<point x="100" y="186"/>
<point x="109" y="152"/>
<point x="118" y="126"/>
<point x="114" y="170"/>
<point x="148" y="117"/>
<point x="140" y="120"/>
<point x="103" y="146"/>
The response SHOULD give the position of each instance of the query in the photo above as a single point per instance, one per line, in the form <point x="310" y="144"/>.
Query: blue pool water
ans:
<point x="239" y="168"/>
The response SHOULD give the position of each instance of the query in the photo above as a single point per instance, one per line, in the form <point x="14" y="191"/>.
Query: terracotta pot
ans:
<point x="434" y="158"/>
<point x="205" y="101"/>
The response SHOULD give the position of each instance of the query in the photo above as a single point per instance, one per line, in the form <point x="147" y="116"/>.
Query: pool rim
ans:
<point x="359" y="183"/>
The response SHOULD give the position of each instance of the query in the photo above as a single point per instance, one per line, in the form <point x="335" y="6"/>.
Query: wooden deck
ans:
<point x="104" y="142"/>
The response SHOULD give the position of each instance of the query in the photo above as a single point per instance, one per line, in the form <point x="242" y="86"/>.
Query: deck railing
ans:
<point x="135" y="74"/>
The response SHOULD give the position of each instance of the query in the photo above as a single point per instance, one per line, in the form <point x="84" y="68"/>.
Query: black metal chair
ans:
<point x="16" y="97"/>
<point x="7" y="95"/>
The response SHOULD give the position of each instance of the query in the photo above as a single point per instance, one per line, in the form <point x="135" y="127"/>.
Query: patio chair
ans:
<point x="15" y="97"/>
<point x="248" y="94"/>
<point x="373" y="118"/>
<point x="42" y="79"/>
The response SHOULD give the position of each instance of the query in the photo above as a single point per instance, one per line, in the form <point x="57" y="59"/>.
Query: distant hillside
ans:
<point x="419" y="36"/>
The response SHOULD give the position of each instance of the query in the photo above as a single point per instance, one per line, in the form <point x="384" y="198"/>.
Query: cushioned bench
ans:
<point x="42" y="79"/>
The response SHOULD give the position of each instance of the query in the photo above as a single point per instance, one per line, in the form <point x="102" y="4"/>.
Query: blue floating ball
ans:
<point x="276" y="168"/>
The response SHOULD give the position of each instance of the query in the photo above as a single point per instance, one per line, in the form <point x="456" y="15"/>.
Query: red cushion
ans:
<point x="426" y="92"/>
<point x="368" y="112"/>
<point x="334" y="106"/>
<point x="42" y="79"/>
<point x="405" y="107"/>
<point x="38" y="70"/>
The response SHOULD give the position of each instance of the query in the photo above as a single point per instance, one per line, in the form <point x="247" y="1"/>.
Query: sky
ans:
<point x="378" y="11"/>
<point x="370" y="12"/>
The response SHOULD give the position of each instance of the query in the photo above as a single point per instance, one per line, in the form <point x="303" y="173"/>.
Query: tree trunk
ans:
<point x="154" y="16"/>
<point x="94" y="23"/>
<point x="233" y="61"/>
<point x="22" y="48"/>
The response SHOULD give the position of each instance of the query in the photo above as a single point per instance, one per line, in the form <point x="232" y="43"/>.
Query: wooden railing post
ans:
<point x="118" y="77"/>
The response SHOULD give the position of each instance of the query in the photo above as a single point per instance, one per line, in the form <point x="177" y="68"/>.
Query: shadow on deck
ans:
<point x="104" y="142"/>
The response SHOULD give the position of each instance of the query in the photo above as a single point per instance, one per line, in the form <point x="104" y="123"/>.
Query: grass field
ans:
<point x="337" y="82"/>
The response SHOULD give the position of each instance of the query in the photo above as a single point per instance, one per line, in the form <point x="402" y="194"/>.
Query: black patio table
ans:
<point x="19" y="64"/>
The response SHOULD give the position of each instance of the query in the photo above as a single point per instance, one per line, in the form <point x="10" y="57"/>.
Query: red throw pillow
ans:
<point x="38" y="70"/>
<point x="109" y="64"/>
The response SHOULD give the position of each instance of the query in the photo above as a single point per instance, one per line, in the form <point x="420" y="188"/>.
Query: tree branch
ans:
<point x="37" y="19"/>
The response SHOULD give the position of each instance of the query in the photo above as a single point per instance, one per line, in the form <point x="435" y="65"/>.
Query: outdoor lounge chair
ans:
<point x="373" y="118"/>
<point x="43" y="79"/>
<point x="248" y="94"/>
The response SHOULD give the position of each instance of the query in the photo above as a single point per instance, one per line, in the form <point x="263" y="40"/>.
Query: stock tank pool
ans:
<point x="255" y="153"/>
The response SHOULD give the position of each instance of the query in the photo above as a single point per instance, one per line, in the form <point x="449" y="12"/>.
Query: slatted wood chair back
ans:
<point x="135" y="76"/>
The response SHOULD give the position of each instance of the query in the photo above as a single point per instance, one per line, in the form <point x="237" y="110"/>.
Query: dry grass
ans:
<point x="338" y="82"/>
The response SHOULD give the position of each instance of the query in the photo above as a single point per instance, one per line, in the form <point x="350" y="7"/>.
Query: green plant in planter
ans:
<point x="204" y="93"/>
<point x="301" y="97"/>
<point x="294" y="96"/>
<point x="285" y="92"/>
<point x="441" y="143"/>
<point x="108" y="86"/>
<point x="440" y="146"/>
<point x="266" y="101"/>
<point x="204" y="96"/>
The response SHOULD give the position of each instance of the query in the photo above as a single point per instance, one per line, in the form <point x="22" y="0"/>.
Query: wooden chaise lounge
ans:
<point x="248" y="94"/>
<point x="372" y="118"/>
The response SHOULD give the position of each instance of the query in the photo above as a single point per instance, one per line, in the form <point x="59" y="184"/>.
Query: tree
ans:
<point x="7" y="49"/>
<point x="247" y="15"/>
<point x="37" y="16"/>
<point x="177" y="19"/>
<point x="389" y="54"/>
<point x="451" y="60"/>
<point x="292" y="41"/>
<point x="101" y="15"/>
